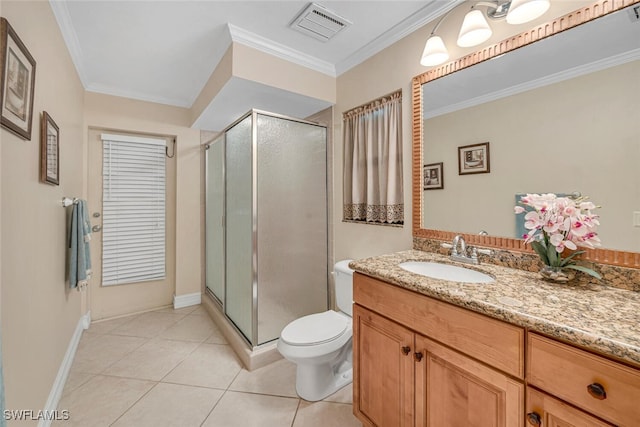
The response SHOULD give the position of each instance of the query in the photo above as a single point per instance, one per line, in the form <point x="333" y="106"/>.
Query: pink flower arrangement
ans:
<point x="559" y="223"/>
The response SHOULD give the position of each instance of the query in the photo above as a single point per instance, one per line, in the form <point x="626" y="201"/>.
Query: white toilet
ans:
<point x="320" y="344"/>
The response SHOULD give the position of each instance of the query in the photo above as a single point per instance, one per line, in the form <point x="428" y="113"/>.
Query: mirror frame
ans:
<point x="542" y="31"/>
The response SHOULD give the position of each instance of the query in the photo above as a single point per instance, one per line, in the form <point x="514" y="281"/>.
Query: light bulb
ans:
<point x="522" y="11"/>
<point x="435" y="52"/>
<point x="475" y="29"/>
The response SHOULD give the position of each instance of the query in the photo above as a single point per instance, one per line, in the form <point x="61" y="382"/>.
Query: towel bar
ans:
<point x="67" y="201"/>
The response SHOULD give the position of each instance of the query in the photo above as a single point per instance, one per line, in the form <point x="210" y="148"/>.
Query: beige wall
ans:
<point x="389" y="70"/>
<point x="39" y="312"/>
<point x="219" y="77"/>
<point x="126" y="115"/>
<point x="252" y="64"/>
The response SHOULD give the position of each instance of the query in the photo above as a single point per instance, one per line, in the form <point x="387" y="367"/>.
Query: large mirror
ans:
<point x="560" y="114"/>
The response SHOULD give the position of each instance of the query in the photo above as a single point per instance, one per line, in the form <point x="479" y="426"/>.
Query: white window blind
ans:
<point x="133" y="209"/>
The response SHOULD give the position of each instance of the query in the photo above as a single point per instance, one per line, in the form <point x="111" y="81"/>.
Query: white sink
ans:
<point x="449" y="272"/>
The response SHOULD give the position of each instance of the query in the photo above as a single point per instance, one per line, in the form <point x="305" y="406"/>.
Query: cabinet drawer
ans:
<point x="491" y="341"/>
<point x="553" y="412"/>
<point x="570" y="374"/>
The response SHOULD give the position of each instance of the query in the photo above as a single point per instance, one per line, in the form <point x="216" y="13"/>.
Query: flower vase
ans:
<point x="556" y="274"/>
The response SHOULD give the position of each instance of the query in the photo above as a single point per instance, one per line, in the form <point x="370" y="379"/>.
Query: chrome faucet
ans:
<point x="458" y="241"/>
<point x="462" y="253"/>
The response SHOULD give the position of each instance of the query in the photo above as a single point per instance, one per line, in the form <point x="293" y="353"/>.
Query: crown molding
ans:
<point x="70" y="37"/>
<point x="247" y="38"/>
<point x="430" y="12"/>
<point x="570" y="73"/>
<point x="138" y="96"/>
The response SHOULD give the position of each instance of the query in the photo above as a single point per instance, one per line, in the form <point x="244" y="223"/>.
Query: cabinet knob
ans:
<point x="597" y="391"/>
<point x="406" y="349"/>
<point x="418" y="356"/>
<point x="534" y="419"/>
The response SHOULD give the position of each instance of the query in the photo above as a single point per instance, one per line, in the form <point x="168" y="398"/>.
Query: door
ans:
<point x="456" y="391"/>
<point x="383" y="369"/>
<point x="291" y="214"/>
<point x="115" y="300"/>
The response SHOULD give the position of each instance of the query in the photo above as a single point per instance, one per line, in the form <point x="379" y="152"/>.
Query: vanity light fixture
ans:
<point x="475" y="29"/>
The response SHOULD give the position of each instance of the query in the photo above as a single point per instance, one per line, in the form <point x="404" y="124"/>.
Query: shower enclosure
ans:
<point x="266" y="223"/>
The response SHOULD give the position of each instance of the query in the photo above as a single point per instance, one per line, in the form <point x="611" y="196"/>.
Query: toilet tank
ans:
<point x="343" y="277"/>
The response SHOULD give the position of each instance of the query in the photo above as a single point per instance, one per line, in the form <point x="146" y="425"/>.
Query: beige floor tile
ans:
<point x="148" y="325"/>
<point x="200" y="310"/>
<point x="153" y="360"/>
<point x="210" y="365"/>
<point x="183" y="310"/>
<point x="278" y="378"/>
<point x="344" y="395"/>
<point x="190" y="328"/>
<point x="75" y="380"/>
<point x="252" y="410"/>
<point x="216" y="336"/>
<point x="171" y="405"/>
<point x="101" y="400"/>
<point x="325" y="414"/>
<point x="106" y="326"/>
<point x="97" y="352"/>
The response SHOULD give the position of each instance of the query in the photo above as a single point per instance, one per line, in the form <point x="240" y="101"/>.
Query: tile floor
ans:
<point x="174" y="368"/>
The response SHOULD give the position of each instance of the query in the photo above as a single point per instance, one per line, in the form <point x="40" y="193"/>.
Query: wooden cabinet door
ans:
<point x="546" y="411"/>
<point x="383" y="371"/>
<point x="454" y="390"/>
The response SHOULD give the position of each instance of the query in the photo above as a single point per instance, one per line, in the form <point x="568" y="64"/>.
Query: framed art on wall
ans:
<point x="432" y="176"/>
<point x="49" y="150"/>
<point x="17" y="82"/>
<point x="474" y="158"/>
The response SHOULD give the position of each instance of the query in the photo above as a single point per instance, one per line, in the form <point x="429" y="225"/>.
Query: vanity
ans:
<point x="515" y="352"/>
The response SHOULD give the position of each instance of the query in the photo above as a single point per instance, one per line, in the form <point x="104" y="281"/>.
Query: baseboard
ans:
<point x="63" y="373"/>
<point x="181" y="301"/>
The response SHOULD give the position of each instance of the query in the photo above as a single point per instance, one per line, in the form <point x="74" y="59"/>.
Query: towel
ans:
<point x="80" y="253"/>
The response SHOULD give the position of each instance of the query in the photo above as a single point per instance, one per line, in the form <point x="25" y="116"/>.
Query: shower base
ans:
<point x="251" y="358"/>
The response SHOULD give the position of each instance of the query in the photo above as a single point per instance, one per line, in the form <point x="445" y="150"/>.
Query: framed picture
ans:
<point x="473" y="159"/>
<point x="49" y="150"/>
<point x="17" y="82"/>
<point x="432" y="176"/>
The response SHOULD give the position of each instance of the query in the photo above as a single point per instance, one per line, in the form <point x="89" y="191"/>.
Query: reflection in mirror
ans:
<point x="561" y="116"/>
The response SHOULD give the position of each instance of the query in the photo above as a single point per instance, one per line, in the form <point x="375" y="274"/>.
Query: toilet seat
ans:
<point x="315" y="329"/>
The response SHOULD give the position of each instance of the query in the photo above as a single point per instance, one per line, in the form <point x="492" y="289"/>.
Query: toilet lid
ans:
<point x="315" y="328"/>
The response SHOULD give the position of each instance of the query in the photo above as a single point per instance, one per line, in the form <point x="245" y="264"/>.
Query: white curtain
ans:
<point x="372" y="169"/>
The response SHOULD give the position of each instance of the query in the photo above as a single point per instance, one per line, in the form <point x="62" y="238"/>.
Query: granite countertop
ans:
<point x="596" y="317"/>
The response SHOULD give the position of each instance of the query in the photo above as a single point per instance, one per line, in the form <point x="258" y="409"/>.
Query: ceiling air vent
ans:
<point x="318" y="22"/>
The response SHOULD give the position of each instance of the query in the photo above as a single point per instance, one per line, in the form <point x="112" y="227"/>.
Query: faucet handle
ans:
<point x="474" y="252"/>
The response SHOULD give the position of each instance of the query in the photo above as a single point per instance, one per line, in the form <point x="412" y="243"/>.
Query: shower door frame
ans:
<point x="220" y="138"/>
<point x="254" y="216"/>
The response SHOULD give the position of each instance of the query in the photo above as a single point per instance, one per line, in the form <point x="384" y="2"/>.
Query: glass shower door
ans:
<point x="239" y="231"/>
<point x="292" y="222"/>
<point x="214" y="220"/>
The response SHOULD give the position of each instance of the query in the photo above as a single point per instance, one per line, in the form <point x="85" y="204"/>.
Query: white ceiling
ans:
<point x="165" y="51"/>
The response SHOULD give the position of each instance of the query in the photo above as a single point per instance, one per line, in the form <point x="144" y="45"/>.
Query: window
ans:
<point x="133" y="208"/>
<point x="372" y="169"/>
